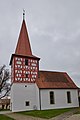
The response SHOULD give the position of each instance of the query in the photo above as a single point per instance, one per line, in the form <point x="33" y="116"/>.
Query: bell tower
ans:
<point x="24" y="74"/>
<point x="24" y="65"/>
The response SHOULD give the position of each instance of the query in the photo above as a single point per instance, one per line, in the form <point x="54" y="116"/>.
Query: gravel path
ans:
<point x="74" y="117"/>
<point x="22" y="117"/>
<point x="5" y="112"/>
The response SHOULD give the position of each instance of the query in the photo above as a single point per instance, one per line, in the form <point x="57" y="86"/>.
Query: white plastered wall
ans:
<point x="20" y="94"/>
<point x="60" y="96"/>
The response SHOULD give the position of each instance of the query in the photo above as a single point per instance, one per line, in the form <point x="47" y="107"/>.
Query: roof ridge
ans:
<point x="52" y="71"/>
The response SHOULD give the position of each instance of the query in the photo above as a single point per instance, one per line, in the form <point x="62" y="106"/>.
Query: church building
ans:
<point x="34" y="89"/>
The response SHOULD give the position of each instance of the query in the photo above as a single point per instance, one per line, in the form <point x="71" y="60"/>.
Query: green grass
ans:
<point x="46" y="113"/>
<point x="4" y="117"/>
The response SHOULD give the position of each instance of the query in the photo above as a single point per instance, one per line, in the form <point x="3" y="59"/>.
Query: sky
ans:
<point x="54" y="33"/>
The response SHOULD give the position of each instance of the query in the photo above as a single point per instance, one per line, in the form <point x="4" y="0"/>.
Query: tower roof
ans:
<point x="23" y="46"/>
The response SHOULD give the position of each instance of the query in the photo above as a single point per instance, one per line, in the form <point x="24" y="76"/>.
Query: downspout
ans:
<point x="39" y="98"/>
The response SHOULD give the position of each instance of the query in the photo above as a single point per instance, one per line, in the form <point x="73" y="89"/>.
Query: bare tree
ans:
<point x="5" y="85"/>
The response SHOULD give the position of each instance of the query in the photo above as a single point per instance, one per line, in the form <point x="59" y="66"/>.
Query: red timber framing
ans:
<point x="24" y="69"/>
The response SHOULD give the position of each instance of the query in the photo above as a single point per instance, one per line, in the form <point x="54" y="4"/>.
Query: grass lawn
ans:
<point x="46" y="113"/>
<point x="3" y="117"/>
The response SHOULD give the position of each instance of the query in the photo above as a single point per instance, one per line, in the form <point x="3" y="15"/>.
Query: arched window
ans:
<point x="68" y="97"/>
<point x="52" y="101"/>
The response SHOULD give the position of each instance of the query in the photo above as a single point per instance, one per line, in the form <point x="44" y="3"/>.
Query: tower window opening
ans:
<point x="26" y="75"/>
<point x="26" y="61"/>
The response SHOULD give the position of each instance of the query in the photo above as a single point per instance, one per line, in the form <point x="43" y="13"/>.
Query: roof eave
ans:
<point x="58" y="88"/>
<point x="34" y="57"/>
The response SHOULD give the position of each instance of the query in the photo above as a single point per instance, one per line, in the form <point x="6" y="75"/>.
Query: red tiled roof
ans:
<point x="23" y="45"/>
<point x="55" y="80"/>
